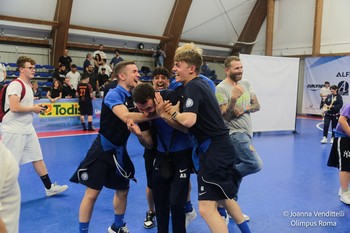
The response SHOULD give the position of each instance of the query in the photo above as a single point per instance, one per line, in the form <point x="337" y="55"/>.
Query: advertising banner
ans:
<point x="63" y="115"/>
<point x="335" y="70"/>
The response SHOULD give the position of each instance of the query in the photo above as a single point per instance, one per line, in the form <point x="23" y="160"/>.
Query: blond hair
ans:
<point x="189" y="53"/>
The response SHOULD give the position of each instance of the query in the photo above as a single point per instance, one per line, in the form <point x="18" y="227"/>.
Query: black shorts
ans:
<point x="339" y="156"/>
<point x="149" y="156"/>
<point x="99" y="169"/>
<point x="103" y="172"/>
<point x="85" y="109"/>
<point x="217" y="176"/>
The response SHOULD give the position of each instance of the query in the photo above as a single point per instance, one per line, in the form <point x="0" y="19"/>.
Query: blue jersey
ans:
<point x="111" y="126"/>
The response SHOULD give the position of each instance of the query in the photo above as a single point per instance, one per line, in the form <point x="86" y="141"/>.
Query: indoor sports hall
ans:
<point x="290" y="51"/>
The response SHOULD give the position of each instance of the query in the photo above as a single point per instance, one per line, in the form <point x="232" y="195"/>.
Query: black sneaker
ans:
<point x="149" y="221"/>
<point x="123" y="229"/>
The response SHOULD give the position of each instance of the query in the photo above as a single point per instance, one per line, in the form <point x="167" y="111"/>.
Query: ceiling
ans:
<point x="217" y="25"/>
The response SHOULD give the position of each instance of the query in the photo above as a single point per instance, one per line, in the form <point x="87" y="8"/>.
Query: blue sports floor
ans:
<point x="295" y="191"/>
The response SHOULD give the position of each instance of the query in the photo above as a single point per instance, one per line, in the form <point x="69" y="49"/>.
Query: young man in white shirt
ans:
<point x="17" y="130"/>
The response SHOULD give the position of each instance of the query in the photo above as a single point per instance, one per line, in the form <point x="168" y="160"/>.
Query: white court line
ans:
<point x="318" y="126"/>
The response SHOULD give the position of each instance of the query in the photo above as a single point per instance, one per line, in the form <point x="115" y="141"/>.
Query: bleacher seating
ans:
<point x="42" y="74"/>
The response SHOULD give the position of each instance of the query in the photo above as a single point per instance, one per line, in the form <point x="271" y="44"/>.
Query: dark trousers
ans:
<point x="327" y="119"/>
<point x="171" y="195"/>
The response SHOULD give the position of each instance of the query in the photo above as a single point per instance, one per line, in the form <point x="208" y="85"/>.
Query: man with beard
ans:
<point x="173" y="148"/>
<point x="237" y="100"/>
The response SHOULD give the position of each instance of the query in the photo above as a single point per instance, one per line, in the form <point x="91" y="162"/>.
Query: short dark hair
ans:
<point x="142" y="93"/>
<point x="117" y="50"/>
<point x="161" y="71"/>
<point x="73" y="66"/>
<point x="334" y="87"/>
<point x="326" y="82"/>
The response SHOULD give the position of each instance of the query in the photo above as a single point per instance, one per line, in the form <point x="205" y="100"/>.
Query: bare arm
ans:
<point x="16" y="106"/>
<point x="145" y="137"/>
<point x="2" y="227"/>
<point x="343" y="121"/>
<point x="123" y="113"/>
<point x="254" y="104"/>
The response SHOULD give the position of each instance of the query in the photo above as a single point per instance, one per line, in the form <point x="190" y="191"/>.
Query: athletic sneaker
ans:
<point x="149" y="220"/>
<point x="55" y="189"/>
<point x="345" y="197"/>
<point x="331" y="141"/>
<point x="123" y="229"/>
<point x="246" y="217"/>
<point x="341" y="192"/>
<point x="190" y="216"/>
<point x="226" y="218"/>
<point x="324" y="140"/>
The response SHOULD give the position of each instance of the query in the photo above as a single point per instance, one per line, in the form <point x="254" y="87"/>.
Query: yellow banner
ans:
<point x="60" y="110"/>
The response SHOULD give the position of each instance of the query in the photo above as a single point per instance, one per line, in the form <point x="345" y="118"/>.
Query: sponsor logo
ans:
<point x="60" y="109"/>
<point x="181" y="171"/>
<point x="343" y="74"/>
<point x="202" y="193"/>
<point x="189" y="103"/>
<point x="343" y="88"/>
<point x="183" y="175"/>
<point x="84" y="176"/>
<point x="314" y="87"/>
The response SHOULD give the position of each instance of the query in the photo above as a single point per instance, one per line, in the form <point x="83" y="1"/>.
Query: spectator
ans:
<point x="102" y="77"/>
<point x="324" y="92"/>
<point x="85" y="102"/>
<point x="2" y="73"/>
<point x="116" y="59"/>
<point x="100" y="52"/>
<point x="65" y="60"/>
<point x="74" y="76"/>
<point x="107" y="67"/>
<point x="37" y="91"/>
<point x="331" y="112"/>
<point x="68" y="91"/>
<point x="60" y="73"/>
<point x="97" y="62"/>
<point x="55" y="93"/>
<point x="93" y="78"/>
<point x="88" y="61"/>
<point x="159" y="56"/>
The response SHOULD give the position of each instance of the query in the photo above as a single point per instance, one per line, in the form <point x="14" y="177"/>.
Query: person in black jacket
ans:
<point x="331" y="110"/>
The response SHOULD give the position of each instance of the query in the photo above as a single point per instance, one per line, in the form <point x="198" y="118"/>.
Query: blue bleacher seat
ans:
<point x="146" y="78"/>
<point x="49" y="84"/>
<point x="49" y="67"/>
<point x="12" y="65"/>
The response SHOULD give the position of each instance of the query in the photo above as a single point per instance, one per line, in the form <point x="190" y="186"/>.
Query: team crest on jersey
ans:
<point x="84" y="176"/>
<point x="189" y="103"/>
